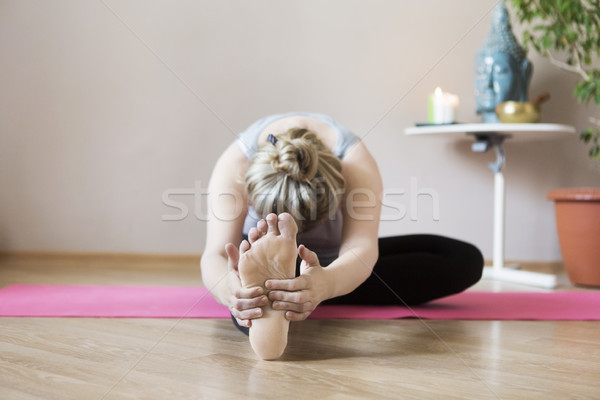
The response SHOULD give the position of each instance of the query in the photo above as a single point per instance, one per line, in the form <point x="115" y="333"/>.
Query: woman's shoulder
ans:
<point x="339" y="138"/>
<point x="360" y="169"/>
<point x="232" y="155"/>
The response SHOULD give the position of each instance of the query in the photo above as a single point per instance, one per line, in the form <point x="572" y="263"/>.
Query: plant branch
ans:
<point x="577" y="69"/>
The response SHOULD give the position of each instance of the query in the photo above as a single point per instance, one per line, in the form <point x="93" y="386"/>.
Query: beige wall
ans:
<point x="103" y="109"/>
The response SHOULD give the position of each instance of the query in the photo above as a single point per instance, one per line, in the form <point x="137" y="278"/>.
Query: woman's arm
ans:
<point x="227" y="208"/>
<point x="361" y="210"/>
<point x="361" y="207"/>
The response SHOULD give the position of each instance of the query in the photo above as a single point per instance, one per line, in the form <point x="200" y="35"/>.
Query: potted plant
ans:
<point x="567" y="32"/>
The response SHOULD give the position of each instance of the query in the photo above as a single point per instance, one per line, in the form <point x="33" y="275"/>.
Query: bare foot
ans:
<point x="272" y="255"/>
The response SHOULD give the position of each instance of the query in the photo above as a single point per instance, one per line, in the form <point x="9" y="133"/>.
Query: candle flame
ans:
<point x="438" y="91"/>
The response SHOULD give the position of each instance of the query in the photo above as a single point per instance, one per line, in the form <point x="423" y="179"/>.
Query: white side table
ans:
<point x="486" y="136"/>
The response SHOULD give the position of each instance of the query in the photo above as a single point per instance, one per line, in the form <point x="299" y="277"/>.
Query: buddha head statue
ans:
<point x="502" y="71"/>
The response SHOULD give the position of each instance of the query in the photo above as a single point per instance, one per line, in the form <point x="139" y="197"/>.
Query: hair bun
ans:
<point x="298" y="158"/>
<point x="298" y="174"/>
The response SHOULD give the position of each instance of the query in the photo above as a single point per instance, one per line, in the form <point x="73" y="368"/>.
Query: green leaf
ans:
<point x="546" y="42"/>
<point x="586" y="135"/>
<point x="563" y="7"/>
<point x="584" y="91"/>
<point x="570" y="29"/>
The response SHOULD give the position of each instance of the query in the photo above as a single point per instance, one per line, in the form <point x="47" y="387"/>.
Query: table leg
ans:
<point x="499" y="271"/>
<point x="499" y="198"/>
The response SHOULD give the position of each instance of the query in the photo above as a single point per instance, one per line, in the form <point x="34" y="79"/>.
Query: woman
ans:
<point x="306" y="173"/>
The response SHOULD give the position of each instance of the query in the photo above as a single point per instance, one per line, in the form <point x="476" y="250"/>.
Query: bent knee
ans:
<point x="471" y="261"/>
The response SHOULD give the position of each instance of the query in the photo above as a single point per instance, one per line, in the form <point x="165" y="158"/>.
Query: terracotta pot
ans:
<point x="578" y="224"/>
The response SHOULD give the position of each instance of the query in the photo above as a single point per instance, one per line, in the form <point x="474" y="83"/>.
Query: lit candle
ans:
<point x="442" y="107"/>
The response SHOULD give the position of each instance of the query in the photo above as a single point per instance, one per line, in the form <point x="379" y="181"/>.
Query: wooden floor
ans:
<point x="79" y="358"/>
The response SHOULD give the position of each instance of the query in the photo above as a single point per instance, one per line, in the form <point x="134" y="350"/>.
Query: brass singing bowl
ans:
<point x="515" y="112"/>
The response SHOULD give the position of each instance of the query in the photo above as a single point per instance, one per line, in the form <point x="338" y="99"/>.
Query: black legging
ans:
<point x="415" y="269"/>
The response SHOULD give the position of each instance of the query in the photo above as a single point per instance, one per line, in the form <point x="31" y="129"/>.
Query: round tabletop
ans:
<point x="519" y="132"/>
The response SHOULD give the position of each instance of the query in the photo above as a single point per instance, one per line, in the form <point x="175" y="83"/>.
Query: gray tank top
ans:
<point x="325" y="238"/>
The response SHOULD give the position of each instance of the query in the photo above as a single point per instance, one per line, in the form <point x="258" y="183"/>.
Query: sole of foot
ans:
<point x="272" y="255"/>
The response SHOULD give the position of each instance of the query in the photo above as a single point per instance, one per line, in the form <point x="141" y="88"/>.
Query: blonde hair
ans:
<point x="295" y="173"/>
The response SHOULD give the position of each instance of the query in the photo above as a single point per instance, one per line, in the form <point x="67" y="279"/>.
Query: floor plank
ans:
<point x="96" y="358"/>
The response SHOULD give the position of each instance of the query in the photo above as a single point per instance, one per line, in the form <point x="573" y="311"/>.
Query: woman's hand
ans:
<point x="244" y="303"/>
<point x="301" y="295"/>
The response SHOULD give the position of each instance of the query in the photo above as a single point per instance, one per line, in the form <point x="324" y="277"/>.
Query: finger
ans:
<point x="298" y="297"/>
<point x="249" y="314"/>
<point x="244" y="247"/>
<point x="242" y="305"/>
<point x="249" y="306"/>
<point x="286" y="284"/>
<point x="309" y="257"/>
<point x="233" y="255"/>
<point x="249" y="293"/>
<point x="295" y="316"/>
<point x="295" y="307"/>
<point x="246" y="323"/>
<point x="284" y="305"/>
<point x="272" y="224"/>
<point x="287" y="226"/>
<point x="253" y="234"/>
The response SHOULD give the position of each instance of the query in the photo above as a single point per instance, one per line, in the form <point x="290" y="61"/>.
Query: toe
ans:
<point x="253" y="234"/>
<point x="244" y="247"/>
<point x="261" y="226"/>
<point x="272" y="224"/>
<point x="287" y="225"/>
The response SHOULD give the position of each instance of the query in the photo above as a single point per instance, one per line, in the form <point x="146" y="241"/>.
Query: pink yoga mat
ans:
<point x="196" y="302"/>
